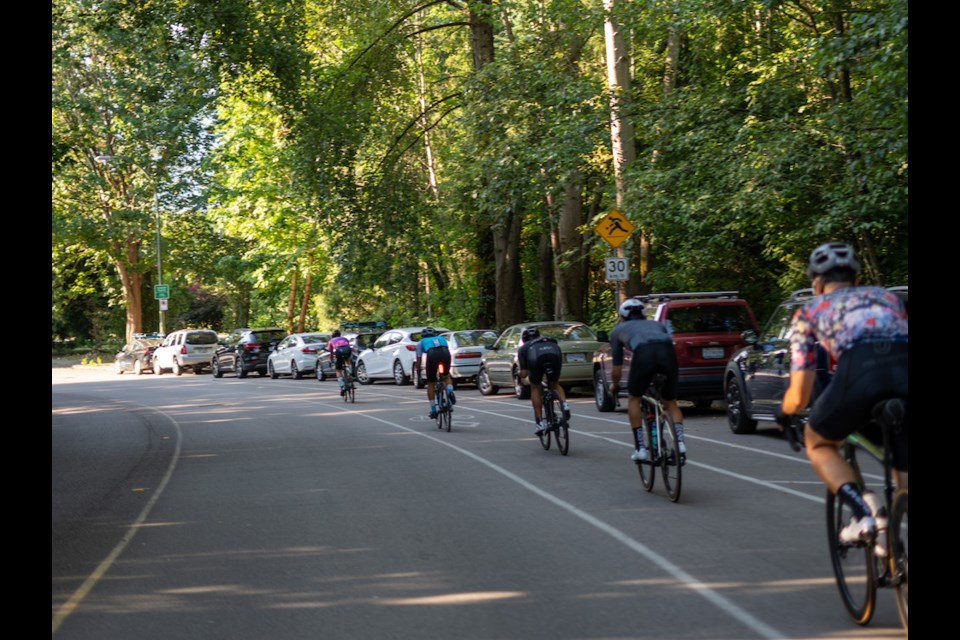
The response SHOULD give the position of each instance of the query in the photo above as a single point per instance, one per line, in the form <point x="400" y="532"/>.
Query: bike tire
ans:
<point x="646" y="467"/>
<point x="561" y="430"/>
<point x="898" y="557"/>
<point x="670" y="464"/>
<point x="548" y="420"/>
<point x="853" y="565"/>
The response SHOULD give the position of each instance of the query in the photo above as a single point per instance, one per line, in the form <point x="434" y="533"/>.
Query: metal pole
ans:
<point x="156" y="211"/>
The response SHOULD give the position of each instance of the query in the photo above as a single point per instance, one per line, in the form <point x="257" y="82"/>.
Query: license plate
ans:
<point x="576" y="357"/>
<point x="712" y="352"/>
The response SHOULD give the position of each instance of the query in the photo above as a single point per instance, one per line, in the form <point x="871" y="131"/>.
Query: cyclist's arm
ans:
<point x="798" y="393"/>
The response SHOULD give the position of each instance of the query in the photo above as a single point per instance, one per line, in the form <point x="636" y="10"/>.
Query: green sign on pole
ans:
<point x="161" y="291"/>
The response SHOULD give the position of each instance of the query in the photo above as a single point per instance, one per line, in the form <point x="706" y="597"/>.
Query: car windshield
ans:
<point x="709" y="319"/>
<point x="201" y="337"/>
<point x="474" y="338"/>
<point x="566" y="332"/>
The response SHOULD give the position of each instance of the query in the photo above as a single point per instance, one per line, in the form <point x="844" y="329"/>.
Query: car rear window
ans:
<point x="314" y="338"/>
<point x="201" y="337"/>
<point x="267" y="336"/>
<point x="474" y="338"/>
<point x="709" y="319"/>
<point x="561" y="333"/>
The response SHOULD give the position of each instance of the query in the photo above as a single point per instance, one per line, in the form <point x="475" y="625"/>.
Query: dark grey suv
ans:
<point x="245" y="351"/>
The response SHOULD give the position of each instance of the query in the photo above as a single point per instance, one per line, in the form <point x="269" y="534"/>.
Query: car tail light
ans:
<point x="308" y="350"/>
<point x="469" y="354"/>
<point x="251" y="346"/>
<point x="411" y="347"/>
<point x="183" y="350"/>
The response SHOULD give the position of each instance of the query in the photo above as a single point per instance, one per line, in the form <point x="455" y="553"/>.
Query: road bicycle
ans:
<point x="444" y="406"/>
<point x="554" y="422"/>
<point x="349" y="384"/>
<point x="660" y="435"/>
<point x="862" y="567"/>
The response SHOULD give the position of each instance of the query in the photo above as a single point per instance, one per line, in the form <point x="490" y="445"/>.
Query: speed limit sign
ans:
<point x="617" y="269"/>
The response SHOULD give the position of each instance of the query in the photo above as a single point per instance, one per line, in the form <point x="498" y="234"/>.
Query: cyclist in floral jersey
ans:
<point x="865" y="330"/>
<point x="340" y="354"/>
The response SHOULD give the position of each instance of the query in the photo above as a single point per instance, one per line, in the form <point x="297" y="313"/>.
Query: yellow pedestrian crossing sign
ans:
<point x="614" y="228"/>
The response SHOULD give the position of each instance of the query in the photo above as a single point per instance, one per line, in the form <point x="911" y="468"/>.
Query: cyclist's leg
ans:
<point x="667" y="364"/>
<point x="641" y="372"/>
<point x="432" y="382"/>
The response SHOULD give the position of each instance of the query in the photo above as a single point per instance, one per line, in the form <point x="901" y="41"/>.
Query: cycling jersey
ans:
<point x="340" y="351"/>
<point x="437" y="352"/>
<point x="540" y="356"/>
<point x="652" y="353"/>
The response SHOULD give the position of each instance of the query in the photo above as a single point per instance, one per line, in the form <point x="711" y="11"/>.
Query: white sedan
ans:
<point x="296" y="354"/>
<point x="392" y="356"/>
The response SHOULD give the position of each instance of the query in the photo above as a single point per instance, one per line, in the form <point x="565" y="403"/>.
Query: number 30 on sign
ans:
<point x="617" y="269"/>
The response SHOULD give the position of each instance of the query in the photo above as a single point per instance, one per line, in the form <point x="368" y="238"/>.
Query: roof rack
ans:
<point x="353" y="324"/>
<point x="662" y="297"/>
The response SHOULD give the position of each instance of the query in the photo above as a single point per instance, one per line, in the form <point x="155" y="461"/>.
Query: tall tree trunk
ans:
<point x="292" y="301"/>
<point x="506" y="247"/>
<point x="305" y="298"/>
<point x="131" y="279"/>
<point x="621" y="129"/>
<point x="545" y="289"/>
<point x="568" y="256"/>
<point x="481" y="31"/>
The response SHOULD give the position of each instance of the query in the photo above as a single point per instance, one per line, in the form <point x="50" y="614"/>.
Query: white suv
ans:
<point x="185" y="349"/>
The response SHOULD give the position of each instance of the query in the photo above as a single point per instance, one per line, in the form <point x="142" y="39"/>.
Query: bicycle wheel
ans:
<point x="646" y="467"/>
<point x="547" y="417"/>
<point x="853" y="564"/>
<point x="446" y="412"/>
<point x="438" y="396"/>
<point x="898" y="543"/>
<point x="561" y="430"/>
<point x="670" y="465"/>
<point x="351" y="391"/>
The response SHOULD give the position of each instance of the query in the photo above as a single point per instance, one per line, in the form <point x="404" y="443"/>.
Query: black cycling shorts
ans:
<point x="435" y="357"/>
<point x="865" y="375"/>
<point x="647" y="361"/>
<point x="544" y="358"/>
<point x="342" y="355"/>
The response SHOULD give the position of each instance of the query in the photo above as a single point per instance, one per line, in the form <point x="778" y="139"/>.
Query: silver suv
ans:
<point x="186" y="349"/>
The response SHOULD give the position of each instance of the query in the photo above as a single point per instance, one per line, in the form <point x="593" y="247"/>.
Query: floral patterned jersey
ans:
<point x="843" y="318"/>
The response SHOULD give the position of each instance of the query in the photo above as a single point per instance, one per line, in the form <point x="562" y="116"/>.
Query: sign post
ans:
<point x="615" y="229"/>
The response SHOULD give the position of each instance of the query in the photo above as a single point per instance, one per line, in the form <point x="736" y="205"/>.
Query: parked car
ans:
<point x="137" y="355"/>
<point x="391" y="356"/>
<point x="466" y="349"/>
<point x="499" y="367"/>
<point x="706" y="328"/>
<point x="363" y="335"/>
<point x="757" y="375"/>
<point x="296" y="355"/>
<point x="185" y="350"/>
<point x="245" y="351"/>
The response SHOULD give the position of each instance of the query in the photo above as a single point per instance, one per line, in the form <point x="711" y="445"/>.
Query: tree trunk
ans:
<point x="305" y="298"/>
<point x="545" y="289"/>
<point x="568" y="256"/>
<point x="132" y="281"/>
<point x="506" y="247"/>
<point x="292" y="300"/>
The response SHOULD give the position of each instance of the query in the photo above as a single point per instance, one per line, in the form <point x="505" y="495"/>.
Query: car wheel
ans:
<point x="294" y="371"/>
<point x="522" y="391"/>
<point x="398" y="375"/>
<point x="601" y="393"/>
<point x="484" y="385"/>
<point x="176" y="367"/>
<point x="138" y="368"/>
<point x="418" y="379"/>
<point x="321" y="376"/>
<point x="362" y="376"/>
<point x="241" y="372"/>
<point x="157" y="369"/>
<point x="215" y="369"/>
<point x="737" y="416"/>
<point x="118" y="368"/>
<point x="273" y="372"/>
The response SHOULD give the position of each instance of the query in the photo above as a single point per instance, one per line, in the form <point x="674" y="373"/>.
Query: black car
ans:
<point x="137" y="355"/>
<point x="757" y="376"/>
<point x="245" y="351"/>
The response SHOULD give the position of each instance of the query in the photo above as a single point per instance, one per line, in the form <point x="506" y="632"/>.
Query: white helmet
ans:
<point x="631" y="309"/>
<point x="832" y="255"/>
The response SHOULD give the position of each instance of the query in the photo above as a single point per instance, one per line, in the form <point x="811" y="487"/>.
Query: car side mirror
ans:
<point x="603" y="336"/>
<point x="749" y="336"/>
<point x="490" y="346"/>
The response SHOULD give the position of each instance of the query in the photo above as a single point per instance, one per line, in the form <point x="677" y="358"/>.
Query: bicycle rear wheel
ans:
<point x="446" y="411"/>
<point x="898" y="558"/>
<point x="561" y="430"/>
<point x="352" y="392"/>
<point x="670" y="465"/>
<point x="547" y="417"/>
<point x="853" y="564"/>
<point x="646" y="467"/>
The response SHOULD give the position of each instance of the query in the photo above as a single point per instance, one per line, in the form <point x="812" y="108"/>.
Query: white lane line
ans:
<point x="77" y="597"/>
<point x="755" y="624"/>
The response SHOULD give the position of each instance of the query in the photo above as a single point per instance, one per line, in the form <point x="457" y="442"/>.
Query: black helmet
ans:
<point x="530" y="333"/>
<point x="336" y="333"/>
<point x="428" y="332"/>
<point x="832" y="255"/>
<point x="631" y="308"/>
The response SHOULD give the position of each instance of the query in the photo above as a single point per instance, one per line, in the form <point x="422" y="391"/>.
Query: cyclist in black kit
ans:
<point x="536" y="357"/>
<point x="653" y="353"/>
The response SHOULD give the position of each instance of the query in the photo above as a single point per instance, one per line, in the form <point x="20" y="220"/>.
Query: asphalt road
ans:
<point x="190" y="507"/>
